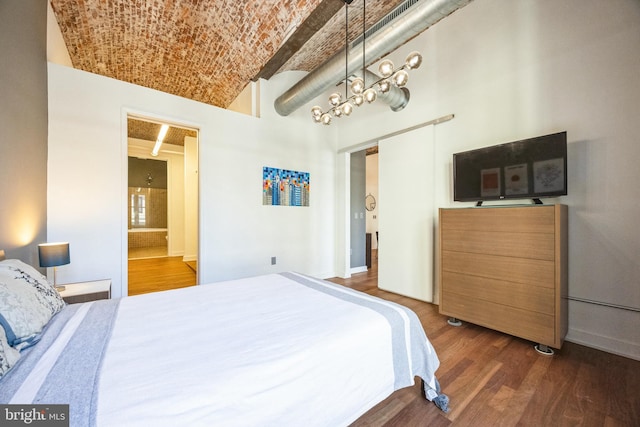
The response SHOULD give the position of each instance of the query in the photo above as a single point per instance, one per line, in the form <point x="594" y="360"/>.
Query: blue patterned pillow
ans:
<point x="8" y="355"/>
<point x="27" y="302"/>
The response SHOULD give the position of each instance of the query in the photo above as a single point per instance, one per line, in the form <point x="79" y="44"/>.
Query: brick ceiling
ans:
<point x="206" y="50"/>
<point x="148" y="131"/>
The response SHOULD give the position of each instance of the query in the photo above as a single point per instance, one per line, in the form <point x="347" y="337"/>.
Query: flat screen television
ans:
<point x="531" y="168"/>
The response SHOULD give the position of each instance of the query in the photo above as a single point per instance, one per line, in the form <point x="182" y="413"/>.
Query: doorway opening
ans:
<point x="162" y="205"/>
<point x="371" y="204"/>
<point x="147" y="208"/>
<point x="363" y="183"/>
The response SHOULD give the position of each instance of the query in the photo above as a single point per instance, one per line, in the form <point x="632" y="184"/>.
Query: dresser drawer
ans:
<point x="529" y="219"/>
<point x="518" y="295"/>
<point x="520" y="245"/>
<point x="525" y="324"/>
<point x="520" y="270"/>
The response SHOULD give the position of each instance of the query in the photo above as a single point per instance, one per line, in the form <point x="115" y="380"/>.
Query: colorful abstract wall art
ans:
<point x="284" y="187"/>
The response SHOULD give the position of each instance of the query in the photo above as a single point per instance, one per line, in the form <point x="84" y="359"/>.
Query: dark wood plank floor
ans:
<point x="493" y="379"/>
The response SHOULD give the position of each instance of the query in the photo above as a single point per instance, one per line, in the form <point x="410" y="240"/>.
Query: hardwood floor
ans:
<point x="493" y="379"/>
<point x="160" y="274"/>
<point x="148" y="252"/>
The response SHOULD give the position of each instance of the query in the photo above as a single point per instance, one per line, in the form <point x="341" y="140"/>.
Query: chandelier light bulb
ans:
<point x="370" y="95"/>
<point x="360" y="92"/>
<point x="335" y="99"/>
<point x="357" y="86"/>
<point x="386" y="68"/>
<point x="414" y="59"/>
<point x="384" y="86"/>
<point x="400" y="78"/>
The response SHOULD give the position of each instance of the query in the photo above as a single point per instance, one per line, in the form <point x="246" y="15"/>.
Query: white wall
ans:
<point x="23" y="130"/>
<point x="191" y="192"/>
<point x="247" y="100"/>
<point x="516" y="69"/>
<point x="238" y="236"/>
<point x="56" y="48"/>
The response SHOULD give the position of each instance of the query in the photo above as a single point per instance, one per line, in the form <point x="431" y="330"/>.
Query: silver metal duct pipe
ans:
<point x="396" y="98"/>
<point x="408" y="25"/>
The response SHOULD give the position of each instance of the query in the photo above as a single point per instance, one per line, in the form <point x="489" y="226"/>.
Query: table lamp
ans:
<point x="53" y="255"/>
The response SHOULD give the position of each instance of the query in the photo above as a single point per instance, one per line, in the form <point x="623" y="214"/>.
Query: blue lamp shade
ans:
<point x="53" y="254"/>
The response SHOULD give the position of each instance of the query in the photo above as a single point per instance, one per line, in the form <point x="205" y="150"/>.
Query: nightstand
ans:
<point x="86" y="291"/>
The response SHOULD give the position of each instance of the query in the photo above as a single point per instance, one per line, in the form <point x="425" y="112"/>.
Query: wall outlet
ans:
<point x="273" y="260"/>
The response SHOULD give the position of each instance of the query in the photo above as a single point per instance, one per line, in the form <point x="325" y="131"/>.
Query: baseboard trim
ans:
<point x="606" y="344"/>
<point x="358" y="269"/>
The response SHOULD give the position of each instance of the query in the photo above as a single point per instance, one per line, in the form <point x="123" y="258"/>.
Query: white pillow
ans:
<point x="27" y="302"/>
<point x="23" y="266"/>
<point x="8" y="355"/>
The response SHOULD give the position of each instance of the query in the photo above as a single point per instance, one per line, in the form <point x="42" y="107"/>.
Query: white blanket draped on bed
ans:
<point x="276" y="350"/>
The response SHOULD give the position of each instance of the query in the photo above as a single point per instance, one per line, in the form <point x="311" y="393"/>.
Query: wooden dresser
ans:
<point x="505" y="268"/>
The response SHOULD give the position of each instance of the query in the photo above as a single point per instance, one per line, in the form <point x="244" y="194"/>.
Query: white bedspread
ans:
<point x="252" y="352"/>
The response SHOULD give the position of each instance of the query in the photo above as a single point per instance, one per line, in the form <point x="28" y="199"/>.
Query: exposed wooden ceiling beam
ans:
<point x="300" y="36"/>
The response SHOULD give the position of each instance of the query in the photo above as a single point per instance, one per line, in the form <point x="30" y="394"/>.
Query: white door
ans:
<point x="406" y="216"/>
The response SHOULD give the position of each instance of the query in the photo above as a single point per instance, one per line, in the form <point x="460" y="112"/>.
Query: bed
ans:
<point x="280" y="349"/>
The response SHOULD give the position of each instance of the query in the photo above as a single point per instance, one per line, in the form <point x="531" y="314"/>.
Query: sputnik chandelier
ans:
<point x="360" y="92"/>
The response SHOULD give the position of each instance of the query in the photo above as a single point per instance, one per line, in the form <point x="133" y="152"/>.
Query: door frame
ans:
<point x="146" y="116"/>
<point x="343" y="186"/>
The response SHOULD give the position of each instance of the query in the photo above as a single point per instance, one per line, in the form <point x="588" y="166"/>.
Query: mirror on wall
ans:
<point x="370" y="202"/>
